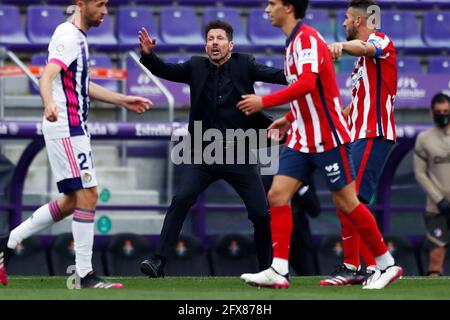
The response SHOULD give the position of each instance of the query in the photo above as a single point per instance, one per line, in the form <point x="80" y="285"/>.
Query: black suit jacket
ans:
<point x="244" y="72"/>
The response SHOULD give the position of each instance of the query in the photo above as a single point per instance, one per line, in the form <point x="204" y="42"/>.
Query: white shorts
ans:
<point x="72" y="163"/>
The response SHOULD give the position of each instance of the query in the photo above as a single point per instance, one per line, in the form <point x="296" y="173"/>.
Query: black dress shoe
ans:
<point x="153" y="267"/>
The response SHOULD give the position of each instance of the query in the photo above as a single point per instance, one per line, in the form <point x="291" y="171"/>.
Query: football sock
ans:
<point x="367" y="256"/>
<point x="83" y="235"/>
<point x="350" y="241"/>
<point x="367" y="228"/>
<point x="281" y="227"/>
<point x="41" y="219"/>
<point x="385" y="260"/>
<point x="280" y="265"/>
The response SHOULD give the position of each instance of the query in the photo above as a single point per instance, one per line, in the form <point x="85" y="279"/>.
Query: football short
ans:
<point x="437" y="230"/>
<point x="369" y="156"/>
<point x="72" y="163"/>
<point x="335" y="165"/>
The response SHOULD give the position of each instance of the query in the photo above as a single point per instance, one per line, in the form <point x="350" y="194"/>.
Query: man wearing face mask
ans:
<point x="432" y="171"/>
<point x="217" y="83"/>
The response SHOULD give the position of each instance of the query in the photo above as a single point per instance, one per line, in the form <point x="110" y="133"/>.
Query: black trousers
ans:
<point x="245" y="179"/>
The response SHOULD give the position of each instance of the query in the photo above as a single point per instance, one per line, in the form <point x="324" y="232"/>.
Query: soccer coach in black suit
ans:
<point x="217" y="83"/>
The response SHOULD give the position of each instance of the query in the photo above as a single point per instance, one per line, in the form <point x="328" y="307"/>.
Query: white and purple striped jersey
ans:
<point x="70" y="89"/>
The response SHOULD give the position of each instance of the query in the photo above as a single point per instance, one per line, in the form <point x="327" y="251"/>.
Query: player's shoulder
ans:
<point x="427" y="135"/>
<point x="381" y="36"/>
<point x="306" y="33"/>
<point x="65" y="28"/>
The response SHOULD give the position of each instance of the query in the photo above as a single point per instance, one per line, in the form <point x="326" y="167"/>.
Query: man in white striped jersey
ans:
<point x="66" y="90"/>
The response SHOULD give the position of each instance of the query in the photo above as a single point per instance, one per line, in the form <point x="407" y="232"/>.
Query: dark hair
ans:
<point x="361" y="4"/>
<point x="219" y="24"/>
<point x="439" y="98"/>
<point x="300" y="7"/>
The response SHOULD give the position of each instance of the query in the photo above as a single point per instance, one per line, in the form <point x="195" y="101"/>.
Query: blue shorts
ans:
<point x="369" y="156"/>
<point x="335" y="165"/>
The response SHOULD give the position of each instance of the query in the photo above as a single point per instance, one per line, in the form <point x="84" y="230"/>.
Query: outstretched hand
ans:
<point x="336" y="50"/>
<point x="278" y="129"/>
<point x="250" y="104"/>
<point x="136" y="104"/>
<point x="146" y="42"/>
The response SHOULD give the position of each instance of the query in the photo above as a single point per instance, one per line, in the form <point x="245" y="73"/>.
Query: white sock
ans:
<point x="281" y="265"/>
<point x="41" y="219"/>
<point x="83" y="236"/>
<point x="385" y="260"/>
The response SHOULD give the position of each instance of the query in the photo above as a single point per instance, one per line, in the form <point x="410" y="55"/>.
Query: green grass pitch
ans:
<point x="221" y="288"/>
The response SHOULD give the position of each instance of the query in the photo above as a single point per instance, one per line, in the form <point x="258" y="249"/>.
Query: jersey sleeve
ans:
<point x="381" y="44"/>
<point x="307" y="54"/>
<point x="62" y="50"/>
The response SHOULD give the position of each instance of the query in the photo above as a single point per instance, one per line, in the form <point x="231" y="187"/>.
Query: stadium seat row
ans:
<point x="334" y="3"/>
<point x="180" y="27"/>
<point x="229" y="255"/>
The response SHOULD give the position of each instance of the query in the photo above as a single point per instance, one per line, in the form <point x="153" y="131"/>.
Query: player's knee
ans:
<point x="277" y="198"/>
<point x="345" y="206"/>
<point x="87" y="198"/>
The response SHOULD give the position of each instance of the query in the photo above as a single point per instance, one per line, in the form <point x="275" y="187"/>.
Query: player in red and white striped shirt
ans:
<point x="318" y="139"/>
<point x="371" y="119"/>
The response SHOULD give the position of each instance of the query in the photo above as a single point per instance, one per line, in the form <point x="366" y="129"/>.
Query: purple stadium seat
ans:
<point x="180" y="26"/>
<point x="244" y="3"/>
<point x="20" y="2"/>
<point x="103" y="61"/>
<point x="11" y="28"/>
<point x="436" y="29"/>
<point x="402" y="27"/>
<point x="151" y="2"/>
<point x="65" y="2"/>
<point x="439" y="65"/>
<point x="409" y="65"/>
<point x="347" y="64"/>
<point x="398" y="2"/>
<point x="328" y="3"/>
<point x="42" y="22"/>
<point x="39" y="60"/>
<point x="233" y="17"/>
<point x="441" y="3"/>
<point x="341" y="35"/>
<point x="320" y="20"/>
<point x="271" y="61"/>
<point x="103" y="36"/>
<point x="129" y="21"/>
<point x="261" y="32"/>
<point x="197" y="2"/>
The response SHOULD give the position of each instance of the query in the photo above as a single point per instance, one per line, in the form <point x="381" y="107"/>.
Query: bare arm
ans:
<point x="50" y="72"/>
<point x="134" y="103"/>
<point x="356" y="48"/>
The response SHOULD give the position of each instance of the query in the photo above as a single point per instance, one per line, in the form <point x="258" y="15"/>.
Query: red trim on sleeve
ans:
<point x="59" y="63"/>
<point x="290" y="116"/>
<point x="305" y="84"/>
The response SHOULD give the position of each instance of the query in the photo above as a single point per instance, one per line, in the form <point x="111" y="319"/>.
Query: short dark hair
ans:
<point x="439" y="98"/>
<point x="361" y="4"/>
<point x="300" y="7"/>
<point x="219" y="24"/>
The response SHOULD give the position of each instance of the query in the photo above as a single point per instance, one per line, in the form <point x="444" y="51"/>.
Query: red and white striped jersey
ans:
<point x="319" y="123"/>
<point x="374" y="82"/>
